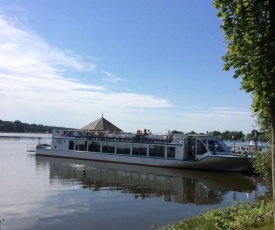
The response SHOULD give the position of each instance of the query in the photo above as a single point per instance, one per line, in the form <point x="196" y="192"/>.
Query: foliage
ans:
<point x="261" y="164"/>
<point x="19" y="127"/>
<point x="265" y="128"/>
<point x="249" y="29"/>
<point x="233" y="135"/>
<point x="239" y="135"/>
<point x="1" y="222"/>
<point x="238" y="216"/>
<point x="196" y="223"/>
<point x="176" y="132"/>
<point x="248" y="32"/>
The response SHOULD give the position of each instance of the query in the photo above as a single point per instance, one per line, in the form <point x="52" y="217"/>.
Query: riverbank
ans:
<point x="258" y="215"/>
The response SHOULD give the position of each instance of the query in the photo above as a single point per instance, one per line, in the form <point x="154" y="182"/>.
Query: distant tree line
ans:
<point x="235" y="135"/>
<point x="19" y="127"/>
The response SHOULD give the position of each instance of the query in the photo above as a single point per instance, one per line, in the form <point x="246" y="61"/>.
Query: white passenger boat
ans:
<point x="173" y="150"/>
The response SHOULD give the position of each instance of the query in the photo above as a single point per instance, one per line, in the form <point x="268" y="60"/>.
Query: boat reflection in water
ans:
<point x="173" y="185"/>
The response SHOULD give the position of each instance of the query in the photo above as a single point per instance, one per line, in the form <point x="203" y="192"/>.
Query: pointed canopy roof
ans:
<point x="102" y="124"/>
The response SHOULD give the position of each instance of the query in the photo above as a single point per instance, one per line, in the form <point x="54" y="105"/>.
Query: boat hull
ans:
<point x="211" y="162"/>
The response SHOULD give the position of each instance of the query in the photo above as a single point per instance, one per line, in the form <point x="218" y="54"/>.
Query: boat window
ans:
<point x="217" y="146"/>
<point x="223" y="146"/>
<point x="81" y="145"/>
<point x="108" y="147"/>
<point x="139" y="150"/>
<point x="94" y="147"/>
<point x="156" y="151"/>
<point x="71" y="145"/>
<point x="123" y="148"/>
<point x="201" y="149"/>
<point x="171" y="151"/>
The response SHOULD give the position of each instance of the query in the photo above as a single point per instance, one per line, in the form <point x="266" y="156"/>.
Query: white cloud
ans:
<point x="111" y="77"/>
<point x="24" y="52"/>
<point x="217" y="112"/>
<point x="33" y="82"/>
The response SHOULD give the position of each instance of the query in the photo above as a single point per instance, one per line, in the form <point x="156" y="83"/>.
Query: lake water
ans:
<point x="51" y="193"/>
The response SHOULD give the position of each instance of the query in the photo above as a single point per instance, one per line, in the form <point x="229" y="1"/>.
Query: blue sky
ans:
<point x="151" y="64"/>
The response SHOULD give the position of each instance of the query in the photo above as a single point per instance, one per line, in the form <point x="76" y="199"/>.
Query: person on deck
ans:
<point x="139" y="133"/>
<point x="169" y="136"/>
<point x="145" y="132"/>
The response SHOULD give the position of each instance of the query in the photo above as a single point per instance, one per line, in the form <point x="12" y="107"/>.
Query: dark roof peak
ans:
<point x="101" y="124"/>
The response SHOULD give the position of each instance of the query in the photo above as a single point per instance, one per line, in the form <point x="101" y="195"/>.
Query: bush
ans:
<point x="196" y="223"/>
<point x="239" y="216"/>
<point x="261" y="163"/>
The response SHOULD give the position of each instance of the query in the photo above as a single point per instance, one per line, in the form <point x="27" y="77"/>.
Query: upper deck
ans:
<point x="167" y="139"/>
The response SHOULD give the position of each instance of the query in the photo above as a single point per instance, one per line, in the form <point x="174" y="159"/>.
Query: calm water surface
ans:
<point x="51" y="193"/>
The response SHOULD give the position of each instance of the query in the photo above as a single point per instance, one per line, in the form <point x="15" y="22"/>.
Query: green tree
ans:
<point x="216" y="133"/>
<point x="1" y="125"/>
<point x="8" y="126"/>
<point x="249" y="29"/>
<point x="265" y="128"/>
<point x="226" y="135"/>
<point x="192" y="132"/>
<point x="249" y="137"/>
<point x="18" y="126"/>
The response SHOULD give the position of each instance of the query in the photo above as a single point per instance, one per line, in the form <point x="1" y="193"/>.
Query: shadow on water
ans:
<point x="172" y="185"/>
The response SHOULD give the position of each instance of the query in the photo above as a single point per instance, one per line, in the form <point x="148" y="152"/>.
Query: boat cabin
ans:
<point x="179" y="147"/>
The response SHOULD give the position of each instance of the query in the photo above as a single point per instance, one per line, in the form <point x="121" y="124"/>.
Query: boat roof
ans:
<point x="101" y="124"/>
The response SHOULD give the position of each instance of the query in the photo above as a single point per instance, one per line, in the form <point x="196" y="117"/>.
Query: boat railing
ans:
<point x="119" y="137"/>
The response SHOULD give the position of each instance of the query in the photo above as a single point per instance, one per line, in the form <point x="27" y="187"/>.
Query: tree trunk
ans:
<point x="273" y="156"/>
<point x="272" y="102"/>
